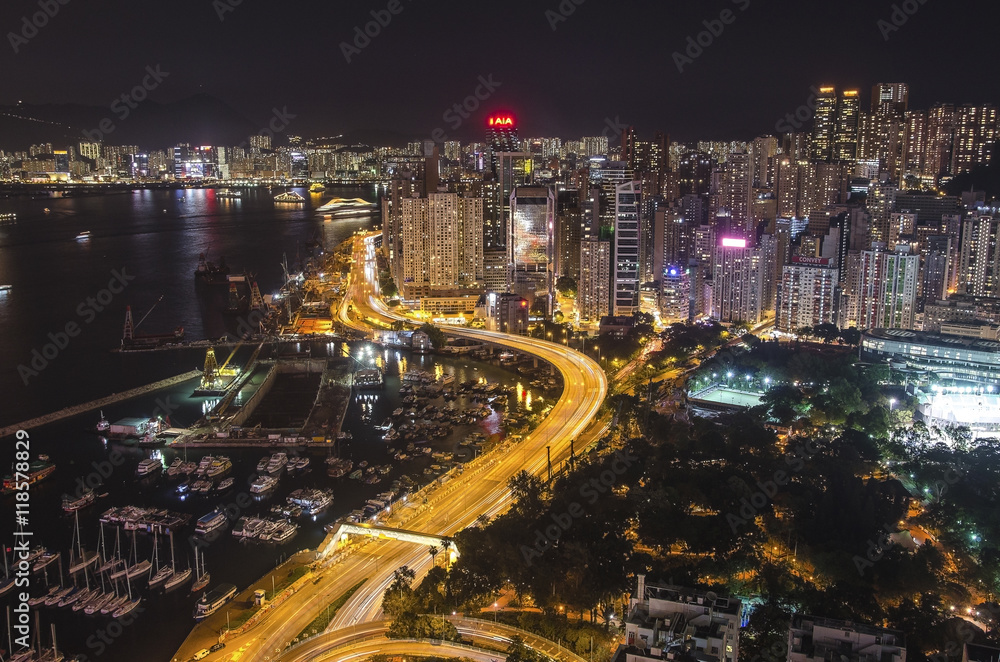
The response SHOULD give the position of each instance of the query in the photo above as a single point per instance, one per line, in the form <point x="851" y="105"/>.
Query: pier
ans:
<point x="97" y="404"/>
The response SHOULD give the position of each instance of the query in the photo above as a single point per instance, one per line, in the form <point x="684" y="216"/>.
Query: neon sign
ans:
<point x="503" y="120"/>
<point x="728" y="242"/>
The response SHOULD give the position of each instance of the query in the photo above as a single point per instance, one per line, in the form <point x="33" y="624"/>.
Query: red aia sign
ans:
<point x="505" y="120"/>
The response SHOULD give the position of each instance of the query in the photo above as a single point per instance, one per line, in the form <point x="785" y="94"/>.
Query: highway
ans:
<point x="482" y="638"/>
<point x="480" y="490"/>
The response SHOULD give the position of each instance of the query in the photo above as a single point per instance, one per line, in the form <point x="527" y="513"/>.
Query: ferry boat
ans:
<point x="225" y="484"/>
<point x="312" y="501"/>
<point x="210" y="522"/>
<point x="284" y="531"/>
<point x="262" y="465"/>
<point x="347" y="207"/>
<point x="277" y="463"/>
<point x="290" y="196"/>
<point x="83" y="235"/>
<point x="263" y="484"/>
<point x="219" y="466"/>
<point x="212" y="601"/>
<point x="6" y="288"/>
<point x="38" y="471"/>
<point x="229" y="193"/>
<point x="148" y="466"/>
<point x="8" y="218"/>
<point x="317" y="187"/>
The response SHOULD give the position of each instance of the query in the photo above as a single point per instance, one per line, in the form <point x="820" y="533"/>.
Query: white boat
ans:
<point x="277" y="463"/>
<point x="161" y="573"/>
<point x="148" y="466"/>
<point x="211" y="522"/>
<point x="212" y="601"/>
<point x="84" y="235"/>
<point x="263" y="484"/>
<point x="202" y="576"/>
<point x="103" y="425"/>
<point x="176" y="578"/>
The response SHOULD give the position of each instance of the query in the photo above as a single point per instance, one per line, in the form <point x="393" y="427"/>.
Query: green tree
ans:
<point x="399" y="598"/>
<point x="566" y="286"/>
<point x="438" y="339"/>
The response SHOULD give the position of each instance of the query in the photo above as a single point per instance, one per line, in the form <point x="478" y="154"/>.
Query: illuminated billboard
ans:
<point x="502" y="121"/>
<point x="732" y="242"/>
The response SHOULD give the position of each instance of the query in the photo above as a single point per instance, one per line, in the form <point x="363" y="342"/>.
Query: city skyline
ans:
<point x="687" y="96"/>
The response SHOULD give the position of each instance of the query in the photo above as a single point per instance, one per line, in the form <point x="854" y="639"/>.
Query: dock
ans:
<point x="97" y="404"/>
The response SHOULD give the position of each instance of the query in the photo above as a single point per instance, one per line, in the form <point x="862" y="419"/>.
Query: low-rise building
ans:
<point x="812" y="639"/>
<point x="671" y="622"/>
<point x="503" y="312"/>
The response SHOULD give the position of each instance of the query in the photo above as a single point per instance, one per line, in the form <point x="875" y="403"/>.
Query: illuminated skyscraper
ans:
<point x="975" y="135"/>
<point x="845" y="139"/>
<point x="593" y="290"/>
<point x="531" y="245"/>
<point x="502" y="138"/>
<point x="626" y="276"/>
<point x="738" y="274"/>
<point x="887" y="288"/>
<point x="806" y="293"/>
<point x="824" y="123"/>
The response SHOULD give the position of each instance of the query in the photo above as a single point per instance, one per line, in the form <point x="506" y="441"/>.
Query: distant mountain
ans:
<point x="199" y="120"/>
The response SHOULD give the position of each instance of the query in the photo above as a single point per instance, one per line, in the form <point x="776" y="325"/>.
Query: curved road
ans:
<point x="480" y="490"/>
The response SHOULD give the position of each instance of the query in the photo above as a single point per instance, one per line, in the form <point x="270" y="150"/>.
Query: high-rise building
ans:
<point x="806" y="293"/>
<point x="594" y="287"/>
<point x="626" y="276"/>
<point x="738" y="274"/>
<point x="675" y="294"/>
<point x="531" y="246"/>
<point x="975" y="136"/>
<point x="887" y="288"/>
<point x="763" y="151"/>
<point x="737" y="194"/>
<point x="937" y="260"/>
<point x="569" y="231"/>
<point x="514" y="169"/>
<point x="845" y="137"/>
<point x="594" y="146"/>
<point x="940" y="138"/>
<point x="824" y="124"/>
<point x="979" y="270"/>
<point x="502" y="138"/>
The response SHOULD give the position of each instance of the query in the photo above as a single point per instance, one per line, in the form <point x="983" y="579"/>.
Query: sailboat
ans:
<point x="84" y="596"/>
<point x="110" y="563"/>
<point x="96" y="603"/>
<point x="128" y="605"/>
<point x="84" y="559"/>
<point x="176" y="578"/>
<point x="203" y="576"/>
<point x="159" y="575"/>
<point x="138" y="567"/>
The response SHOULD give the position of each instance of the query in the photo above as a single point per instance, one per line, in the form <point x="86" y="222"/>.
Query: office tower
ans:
<point x="979" y="268"/>
<point x="569" y="231"/>
<point x="806" y="293"/>
<point x="940" y="138"/>
<point x="514" y="169"/>
<point x="594" y="288"/>
<point x="502" y="137"/>
<point x="936" y="263"/>
<point x="672" y="240"/>
<point x="824" y="124"/>
<point x="626" y="258"/>
<point x="530" y="244"/>
<point x="675" y="294"/>
<point x="975" y="135"/>
<point x="738" y="274"/>
<point x="887" y="288"/>
<point x="845" y="138"/>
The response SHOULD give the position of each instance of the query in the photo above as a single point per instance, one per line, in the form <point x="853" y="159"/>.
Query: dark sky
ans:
<point x="608" y="59"/>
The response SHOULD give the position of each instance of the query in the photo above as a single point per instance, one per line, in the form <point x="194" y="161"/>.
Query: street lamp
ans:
<point x="892" y="403"/>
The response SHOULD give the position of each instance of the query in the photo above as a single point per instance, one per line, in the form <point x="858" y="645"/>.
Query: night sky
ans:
<point x="606" y="60"/>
